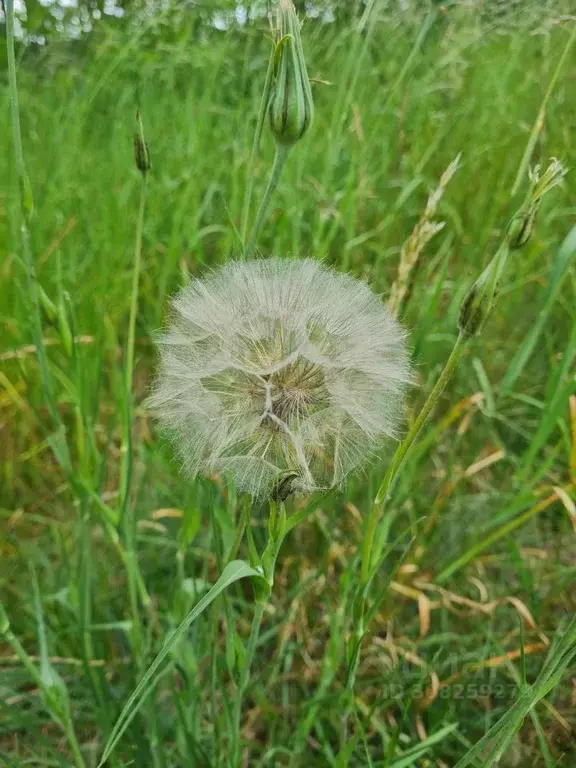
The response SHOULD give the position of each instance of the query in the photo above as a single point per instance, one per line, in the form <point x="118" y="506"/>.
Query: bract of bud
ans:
<point x="520" y="229"/>
<point x="291" y="107"/>
<point x="522" y="224"/>
<point x="481" y="298"/>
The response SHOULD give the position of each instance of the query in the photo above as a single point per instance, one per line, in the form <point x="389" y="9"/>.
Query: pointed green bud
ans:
<point x="482" y="296"/>
<point x="291" y="107"/>
<point x="141" y="154"/>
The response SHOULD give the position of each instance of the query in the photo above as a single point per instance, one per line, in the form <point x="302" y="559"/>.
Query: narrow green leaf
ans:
<point x="409" y="758"/>
<point x="234" y="571"/>
<point x="559" y="270"/>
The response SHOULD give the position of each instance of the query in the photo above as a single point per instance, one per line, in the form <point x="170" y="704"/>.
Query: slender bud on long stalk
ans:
<point x="291" y="107"/>
<point x="482" y="296"/>
<point x="141" y="154"/>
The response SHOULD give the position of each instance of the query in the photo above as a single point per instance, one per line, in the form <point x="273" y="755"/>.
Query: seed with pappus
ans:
<point x="281" y="374"/>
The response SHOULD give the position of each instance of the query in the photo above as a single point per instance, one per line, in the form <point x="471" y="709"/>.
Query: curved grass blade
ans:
<point x="234" y="571"/>
<point x="495" y="742"/>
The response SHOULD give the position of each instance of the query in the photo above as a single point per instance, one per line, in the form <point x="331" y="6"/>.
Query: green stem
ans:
<point x="74" y="745"/>
<point x="245" y="678"/>
<point x="368" y="556"/>
<point x="277" y="533"/>
<point x="279" y="160"/>
<point x="400" y="455"/>
<point x="255" y="148"/>
<point x="539" y="123"/>
<point x="135" y="581"/>
<point x="32" y="670"/>
<point x="25" y="202"/>
<point x="135" y="285"/>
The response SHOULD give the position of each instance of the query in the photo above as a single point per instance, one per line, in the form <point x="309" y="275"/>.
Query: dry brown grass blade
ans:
<point x="30" y="349"/>
<point x="450" y="485"/>
<point x="159" y="514"/>
<point x="450" y="598"/>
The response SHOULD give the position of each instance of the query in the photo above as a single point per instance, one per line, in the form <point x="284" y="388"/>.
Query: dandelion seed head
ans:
<point x="276" y="367"/>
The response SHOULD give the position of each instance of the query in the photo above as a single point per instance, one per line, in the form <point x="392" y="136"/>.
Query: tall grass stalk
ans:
<point x="369" y="556"/>
<point x="128" y="522"/>
<point x="26" y="204"/>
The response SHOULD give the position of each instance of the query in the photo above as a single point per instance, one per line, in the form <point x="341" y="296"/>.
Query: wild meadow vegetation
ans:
<point x="453" y="642"/>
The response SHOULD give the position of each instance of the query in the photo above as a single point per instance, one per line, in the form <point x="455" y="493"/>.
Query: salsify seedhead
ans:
<point x="279" y="373"/>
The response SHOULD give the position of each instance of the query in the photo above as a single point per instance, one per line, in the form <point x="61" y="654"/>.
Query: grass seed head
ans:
<point x="281" y="374"/>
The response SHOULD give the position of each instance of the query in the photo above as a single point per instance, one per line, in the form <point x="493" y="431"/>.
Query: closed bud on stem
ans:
<point x="291" y="108"/>
<point x="522" y="224"/>
<point x="481" y="298"/>
<point x="141" y="154"/>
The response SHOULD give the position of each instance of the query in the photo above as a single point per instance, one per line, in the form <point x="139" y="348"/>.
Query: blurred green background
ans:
<point x="400" y="88"/>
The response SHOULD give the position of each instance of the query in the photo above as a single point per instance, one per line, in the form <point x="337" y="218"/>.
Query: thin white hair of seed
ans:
<point x="275" y="368"/>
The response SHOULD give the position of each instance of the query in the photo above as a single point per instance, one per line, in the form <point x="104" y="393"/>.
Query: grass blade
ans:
<point x="234" y="571"/>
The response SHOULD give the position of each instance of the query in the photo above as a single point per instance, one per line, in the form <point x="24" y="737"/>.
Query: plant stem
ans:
<point x="245" y="679"/>
<point x="127" y="519"/>
<point x="25" y="202"/>
<point x="135" y="284"/>
<point x="277" y="533"/>
<point x="400" y="455"/>
<point x="539" y="123"/>
<point x="279" y="159"/>
<point x="368" y="556"/>
<point x="74" y="745"/>
<point x="255" y="147"/>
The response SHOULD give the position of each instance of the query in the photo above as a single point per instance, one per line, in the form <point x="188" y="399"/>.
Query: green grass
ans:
<point x="468" y="613"/>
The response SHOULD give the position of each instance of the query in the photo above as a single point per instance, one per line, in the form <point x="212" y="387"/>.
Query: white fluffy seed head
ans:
<point x="276" y="368"/>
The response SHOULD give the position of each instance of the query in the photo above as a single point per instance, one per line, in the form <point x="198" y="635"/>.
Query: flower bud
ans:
<point x="522" y="224"/>
<point x="291" y="107"/>
<point x="481" y="298"/>
<point x="4" y="621"/>
<point x="141" y="154"/>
